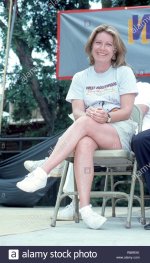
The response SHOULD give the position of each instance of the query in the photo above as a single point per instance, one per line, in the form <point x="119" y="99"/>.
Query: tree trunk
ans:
<point x="24" y="54"/>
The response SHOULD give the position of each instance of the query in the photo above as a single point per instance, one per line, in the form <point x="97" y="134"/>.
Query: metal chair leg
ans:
<point x="112" y="199"/>
<point x="76" y="202"/>
<point x="143" y="219"/>
<point x="105" y="198"/>
<point x="131" y="196"/>
<point x="60" y="191"/>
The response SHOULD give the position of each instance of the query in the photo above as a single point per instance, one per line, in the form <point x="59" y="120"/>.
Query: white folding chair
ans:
<point x="117" y="162"/>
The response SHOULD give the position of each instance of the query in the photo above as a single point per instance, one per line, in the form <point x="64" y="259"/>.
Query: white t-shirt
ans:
<point x="144" y="98"/>
<point x="102" y="89"/>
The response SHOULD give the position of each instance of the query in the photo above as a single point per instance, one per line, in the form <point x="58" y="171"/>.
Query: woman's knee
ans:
<point x="84" y="122"/>
<point x="86" y="144"/>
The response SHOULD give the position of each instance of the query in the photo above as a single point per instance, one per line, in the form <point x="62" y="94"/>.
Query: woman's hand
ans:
<point x="97" y="114"/>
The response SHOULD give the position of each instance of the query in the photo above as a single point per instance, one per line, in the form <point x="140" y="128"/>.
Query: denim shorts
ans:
<point x="126" y="130"/>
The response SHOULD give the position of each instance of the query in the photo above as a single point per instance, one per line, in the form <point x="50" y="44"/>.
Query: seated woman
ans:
<point x="102" y="98"/>
<point x="143" y="101"/>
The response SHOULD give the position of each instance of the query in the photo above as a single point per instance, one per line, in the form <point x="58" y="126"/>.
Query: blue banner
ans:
<point x="75" y="26"/>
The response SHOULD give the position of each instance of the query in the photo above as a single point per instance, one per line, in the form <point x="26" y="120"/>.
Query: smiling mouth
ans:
<point x="101" y="54"/>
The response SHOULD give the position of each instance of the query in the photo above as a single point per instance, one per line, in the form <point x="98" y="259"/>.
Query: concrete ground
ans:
<point x="69" y="233"/>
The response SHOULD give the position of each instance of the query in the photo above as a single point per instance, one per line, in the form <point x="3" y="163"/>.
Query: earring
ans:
<point x="114" y="57"/>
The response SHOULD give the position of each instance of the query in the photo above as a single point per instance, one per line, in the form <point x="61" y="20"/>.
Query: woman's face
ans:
<point x="103" y="48"/>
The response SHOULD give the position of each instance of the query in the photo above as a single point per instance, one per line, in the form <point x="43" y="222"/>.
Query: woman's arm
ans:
<point x="78" y="108"/>
<point x="126" y="106"/>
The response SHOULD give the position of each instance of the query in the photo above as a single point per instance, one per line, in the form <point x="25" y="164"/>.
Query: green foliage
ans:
<point x="106" y="3"/>
<point x="20" y="94"/>
<point x="5" y="125"/>
<point x="35" y="31"/>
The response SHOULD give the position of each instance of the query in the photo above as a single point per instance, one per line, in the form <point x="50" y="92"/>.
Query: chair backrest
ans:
<point x="137" y="116"/>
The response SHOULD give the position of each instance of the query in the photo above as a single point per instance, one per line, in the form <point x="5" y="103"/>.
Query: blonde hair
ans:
<point x="120" y="49"/>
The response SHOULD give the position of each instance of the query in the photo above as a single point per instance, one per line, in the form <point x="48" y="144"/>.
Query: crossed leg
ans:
<point x="84" y="136"/>
<point x="83" y="133"/>
<point x="104" y="135"/>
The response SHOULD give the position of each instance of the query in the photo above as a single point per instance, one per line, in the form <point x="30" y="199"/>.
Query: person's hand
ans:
<point x="97" y="114"/>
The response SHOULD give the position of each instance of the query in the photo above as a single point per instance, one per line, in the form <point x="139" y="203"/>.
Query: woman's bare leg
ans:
<point x="84" y="159"/>
<point x="67" y="143"/>
<point x="84" y="168"/>
<point x="106" y="137"/>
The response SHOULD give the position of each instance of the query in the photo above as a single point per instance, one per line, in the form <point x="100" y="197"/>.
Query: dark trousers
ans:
<point x="141" y="147"/>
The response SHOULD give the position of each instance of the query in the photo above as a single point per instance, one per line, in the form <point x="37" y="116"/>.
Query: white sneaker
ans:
<point x="91" y="218"/>
<point x="32" y="165"/>
<point x="33" y="181"/>
<point x="66" y="213"/>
